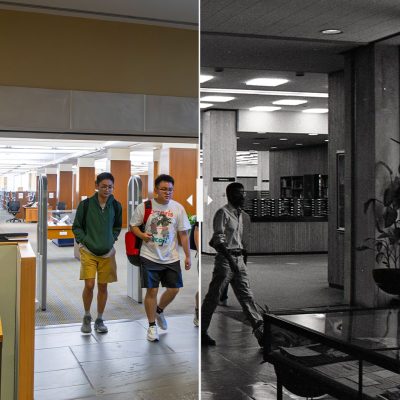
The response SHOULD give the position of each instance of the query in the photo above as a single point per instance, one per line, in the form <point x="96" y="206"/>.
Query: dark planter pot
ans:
<point x="388" y="280"/>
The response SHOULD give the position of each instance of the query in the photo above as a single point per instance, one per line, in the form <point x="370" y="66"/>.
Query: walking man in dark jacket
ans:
<point x="96" y="227"/>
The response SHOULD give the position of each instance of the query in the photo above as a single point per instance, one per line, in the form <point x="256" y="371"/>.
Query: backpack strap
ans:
<point x="85" y="210"/>
<point x="147" y="211"/>
<point x="116" y="209"/>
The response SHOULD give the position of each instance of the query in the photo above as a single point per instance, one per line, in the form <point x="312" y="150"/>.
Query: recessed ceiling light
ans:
<point x="256" y="143"/>
<point x="299" y="144"/>
<point x="237" y="137"/>
<point x="265" y="92"/>
<point x="289" y="102"/>
<point x="217" y="99"/>
<point x="331" y="31"/>
<point x="205" y="105"/>
<point x="266" y="82"/>
<point x="273" y="147"/>
<point x="326" y="140"/>
<point x="264" y="108"/>
<point x="313" y="134"/>
<point x="316" y="111"/>
<point x="205" y="78"/>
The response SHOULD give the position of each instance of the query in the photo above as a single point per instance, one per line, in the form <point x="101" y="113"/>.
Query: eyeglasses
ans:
<point x="111" y="187"/>
<point x="166" y="189"/>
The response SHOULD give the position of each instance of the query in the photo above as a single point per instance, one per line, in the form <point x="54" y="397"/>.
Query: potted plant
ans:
<point x="386" y="244"/>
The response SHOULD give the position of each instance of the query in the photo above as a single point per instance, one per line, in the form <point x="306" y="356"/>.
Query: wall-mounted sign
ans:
<point x="265" y="180"/>
<point x="225" y="179"/>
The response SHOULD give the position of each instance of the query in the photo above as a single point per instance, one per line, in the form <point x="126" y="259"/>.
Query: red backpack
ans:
<point x="132" y="242"/>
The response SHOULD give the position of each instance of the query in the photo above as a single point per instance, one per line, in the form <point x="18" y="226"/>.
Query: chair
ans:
<point x="13" y="208"/>
<point x="61" y="205"/>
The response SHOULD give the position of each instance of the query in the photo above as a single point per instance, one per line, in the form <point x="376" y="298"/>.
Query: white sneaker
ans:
<point x="152" y="334"/>
<point x="161" y="321"/>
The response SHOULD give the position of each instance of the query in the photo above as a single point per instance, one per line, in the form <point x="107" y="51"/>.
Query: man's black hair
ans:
<point x="232" y="187"/>
<point x="164" y="178"/>
<point x="104" y="176"/>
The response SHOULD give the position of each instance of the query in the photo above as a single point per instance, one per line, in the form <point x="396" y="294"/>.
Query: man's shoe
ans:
<point x="223" y="303"/>
<point x="152" y="334"/>
<point x="161" y="321"/>
<point x="196" y="317"/>
<point x="206" y="340"/>
<point x="99" y="326"/>
<point x="259" y="334"/>
<point x="86" y="324"/>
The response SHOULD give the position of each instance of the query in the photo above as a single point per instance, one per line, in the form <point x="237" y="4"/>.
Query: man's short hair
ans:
<point x="233" y="187"/>
<point x="104" y="176"/>
<point x="164" y="178"/>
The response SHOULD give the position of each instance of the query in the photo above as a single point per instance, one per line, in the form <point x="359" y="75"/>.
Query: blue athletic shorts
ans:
<point x="152" y="274"/>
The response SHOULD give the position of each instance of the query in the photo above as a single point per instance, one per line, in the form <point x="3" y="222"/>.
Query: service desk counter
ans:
<point x="274" y="235"/>
<point x="17" y="311"/>
<point x="59" y="231"/>
<point x="30" y="214"/>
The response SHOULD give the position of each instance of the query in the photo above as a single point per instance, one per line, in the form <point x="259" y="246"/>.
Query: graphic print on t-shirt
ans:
<point x="159" y="226"/>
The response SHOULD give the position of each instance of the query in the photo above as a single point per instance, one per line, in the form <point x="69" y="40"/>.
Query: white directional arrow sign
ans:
<point x="209" y="200"/>
<point x="190" y="200"/>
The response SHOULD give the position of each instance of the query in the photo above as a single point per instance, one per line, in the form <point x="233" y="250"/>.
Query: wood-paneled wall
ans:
<point x="86" y="182"/>
<point x="64" y="192"/>
<point x="75" y="194"/>
<point x="183" y="168"/>
<point x="145" y="186"/>
<point x="52" y="190"/>
<point x="121" y="170"/>
<point x="310" y="160"/>
<point x="336" y="143"/>
<point x="288" y="237"/>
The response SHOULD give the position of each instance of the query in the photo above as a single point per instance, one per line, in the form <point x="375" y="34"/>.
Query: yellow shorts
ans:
<point x="106" y="268"/>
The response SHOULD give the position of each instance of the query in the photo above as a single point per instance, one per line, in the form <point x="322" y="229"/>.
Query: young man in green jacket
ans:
<point x="96" y="227"/>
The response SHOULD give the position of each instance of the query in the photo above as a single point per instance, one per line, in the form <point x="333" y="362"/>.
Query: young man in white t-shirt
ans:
<point x="159" y="252"/>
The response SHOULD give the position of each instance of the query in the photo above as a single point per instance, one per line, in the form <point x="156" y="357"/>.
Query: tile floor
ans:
<point x="234" y="368"/>
<point x="119" y="365"/>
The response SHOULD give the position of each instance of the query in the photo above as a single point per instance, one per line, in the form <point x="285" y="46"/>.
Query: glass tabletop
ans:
<point x="372" y="329"/>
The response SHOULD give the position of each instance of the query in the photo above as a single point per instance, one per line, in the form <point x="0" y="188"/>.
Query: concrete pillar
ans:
<point x="219" y="164"/>
<point x="372" y="119"/>
<point x="263" y="170"/>
<point x="85" y="179"/>
<point x="119" y="164"/>
<point x="64" y="184"/>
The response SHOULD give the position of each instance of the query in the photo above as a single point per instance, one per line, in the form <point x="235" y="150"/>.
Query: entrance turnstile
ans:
<point x="134" y="199"/>
<point x="41" y="260"/>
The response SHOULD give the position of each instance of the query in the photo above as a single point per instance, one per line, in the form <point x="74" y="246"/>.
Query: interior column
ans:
<point x="181" y="164"/>
<point x="219" y="164"/>
<point x="64" y="184"/>
<point x="85" y="179"/>
<point x="51" y="174"/>
<point x="119" y="164"/>
<point x="372" y="119"/>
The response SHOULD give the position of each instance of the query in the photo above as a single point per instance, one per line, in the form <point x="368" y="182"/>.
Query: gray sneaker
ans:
<point x="161" y="321"/>
<point x="86" y="324"/>
<point x="99" y="326"/>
